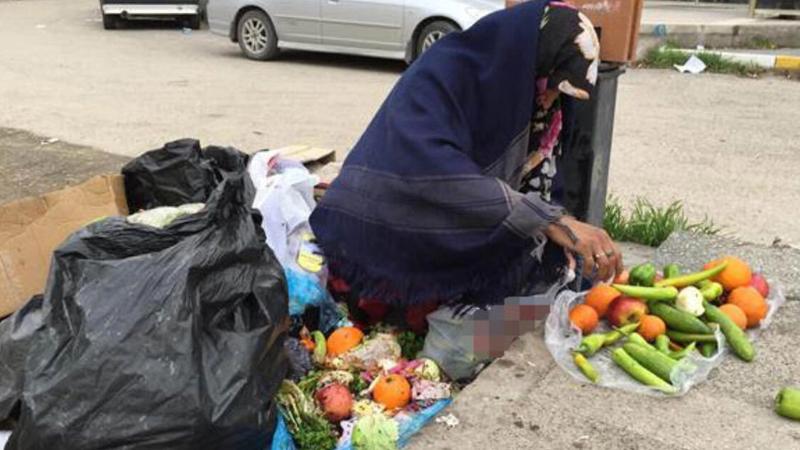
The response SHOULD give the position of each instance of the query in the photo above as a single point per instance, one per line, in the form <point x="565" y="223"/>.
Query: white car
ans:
<point x="114" y="11"/>
<point x="397" y="29"/>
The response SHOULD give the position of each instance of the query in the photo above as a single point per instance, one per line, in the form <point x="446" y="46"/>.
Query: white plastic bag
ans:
<point x="562" y="338"/>
<point x="285" y="198"/>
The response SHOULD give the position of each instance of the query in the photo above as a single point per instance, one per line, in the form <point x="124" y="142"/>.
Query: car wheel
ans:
<point x="432" y="33"/>
<point x="256" y="35"/>
<point x="109" y="22"/>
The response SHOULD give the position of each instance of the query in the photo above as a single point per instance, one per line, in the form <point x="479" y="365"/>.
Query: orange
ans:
<point x="622" y="278"/>
<point x="736" y="314"/>
<point x="751" y="303"/>
<point x="600" y="296"/>
<point x="392" y="391"/>
<point x="584" y="317"/>
<point x="651" y="327"/>
<point x="736" y="274"/>
<point x="343" y="339"/>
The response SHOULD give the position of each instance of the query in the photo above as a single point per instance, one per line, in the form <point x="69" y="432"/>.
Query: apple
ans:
<point x="622" y="277"/>
<point x="625" y="311"/>
<point x="760" y="284"/>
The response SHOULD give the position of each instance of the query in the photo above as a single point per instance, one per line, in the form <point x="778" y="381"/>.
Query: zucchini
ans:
<point x="679" y="320"/>
<point x="688" y="338"/>
<point x="733" y="334"/>
<point x="652" y="360"/>
<point x="638" y="372"/>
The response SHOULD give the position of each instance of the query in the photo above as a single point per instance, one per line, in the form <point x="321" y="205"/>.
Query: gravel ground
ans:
<point x="728" y="147"/>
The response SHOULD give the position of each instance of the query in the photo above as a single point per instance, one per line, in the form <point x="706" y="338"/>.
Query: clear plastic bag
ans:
<point x="462" y="344"/>
<point x="562" y="338"/>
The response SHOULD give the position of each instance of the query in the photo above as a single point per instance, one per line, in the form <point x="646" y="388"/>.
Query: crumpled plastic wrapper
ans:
<point x="163" y="216"/>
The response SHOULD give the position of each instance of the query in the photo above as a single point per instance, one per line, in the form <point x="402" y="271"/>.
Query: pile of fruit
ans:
<point x="661" y="318"/>
<point x="359" y="390"/>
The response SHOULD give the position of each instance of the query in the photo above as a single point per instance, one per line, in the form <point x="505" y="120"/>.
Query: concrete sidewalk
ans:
<point x="690" y="24"/>
<point x="525" y="401"/>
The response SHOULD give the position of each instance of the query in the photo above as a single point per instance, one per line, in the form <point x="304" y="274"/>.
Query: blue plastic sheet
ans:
<point x="282" y="440"/>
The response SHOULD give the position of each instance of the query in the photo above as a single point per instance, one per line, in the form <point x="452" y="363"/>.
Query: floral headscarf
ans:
<point x="569" y="56"/>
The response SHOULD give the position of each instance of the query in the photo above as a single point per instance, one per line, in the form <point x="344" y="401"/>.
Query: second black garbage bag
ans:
<point x="159" y="338"/>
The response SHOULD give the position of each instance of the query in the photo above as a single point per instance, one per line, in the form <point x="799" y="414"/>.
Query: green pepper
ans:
<point x="585" y="367"/>
<point x="712" y="291"/>
<point x="638" y="339"/>
<point x="693" y="278"/>
<point x="643" y="275"/>
<point x="662" y="344"/>
<point x="648" y="293"/>
<point x="320" y="347"/>
<point x="594" y="342"/>
<point x="787" y="403"/>
<point x="707" y="349"/>
<point x="680" y="354"/>
<point x="672" y="271"/>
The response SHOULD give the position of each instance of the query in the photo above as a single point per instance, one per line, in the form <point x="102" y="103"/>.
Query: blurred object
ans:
<point x="773" y="8"/>
<point x="33" y="227"/>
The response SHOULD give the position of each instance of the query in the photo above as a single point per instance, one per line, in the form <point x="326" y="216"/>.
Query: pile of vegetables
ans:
<point x="358" y="385"/>
<point x="659" y="318"/>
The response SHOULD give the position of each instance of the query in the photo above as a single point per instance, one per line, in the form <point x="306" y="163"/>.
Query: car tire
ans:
<point x="432" y="33"/>
<point x="256" y="36"/>
<point x="110" y="21"/>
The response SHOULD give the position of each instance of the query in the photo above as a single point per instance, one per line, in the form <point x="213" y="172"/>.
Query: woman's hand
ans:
<point x="601" y="257"/>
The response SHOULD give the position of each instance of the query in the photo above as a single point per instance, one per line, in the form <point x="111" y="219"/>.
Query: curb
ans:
<point x="766" y="61"/>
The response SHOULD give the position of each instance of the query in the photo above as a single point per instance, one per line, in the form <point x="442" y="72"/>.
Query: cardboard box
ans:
<point x="31" y="228"/>
<point x="618" y="23"/>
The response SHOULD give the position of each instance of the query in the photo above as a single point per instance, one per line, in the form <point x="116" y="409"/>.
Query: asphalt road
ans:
<point x="728" y="147"/>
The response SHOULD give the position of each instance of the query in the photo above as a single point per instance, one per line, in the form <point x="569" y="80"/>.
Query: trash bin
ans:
<point x="588" y="146"/>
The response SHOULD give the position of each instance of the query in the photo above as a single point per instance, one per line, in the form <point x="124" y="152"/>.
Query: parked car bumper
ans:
<point x="176" y="8"/>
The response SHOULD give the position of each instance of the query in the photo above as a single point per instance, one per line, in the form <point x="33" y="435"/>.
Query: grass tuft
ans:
<point x="650" y="225"/>
<point x="667" y="56"/>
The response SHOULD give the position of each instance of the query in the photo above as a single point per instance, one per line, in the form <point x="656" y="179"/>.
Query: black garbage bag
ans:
<point x="158" y="338"/>
<point x="178" y="173"/>
<point x="16" y="333"/>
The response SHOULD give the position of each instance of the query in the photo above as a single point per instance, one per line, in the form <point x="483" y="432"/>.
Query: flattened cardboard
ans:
<point x="31" y="228"/>
<point x="307" y="155"/>
<point x="619" y="22"/>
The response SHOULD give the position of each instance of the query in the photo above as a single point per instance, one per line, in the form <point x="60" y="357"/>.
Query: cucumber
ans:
<point x="638" y="372"/>
<point x="679" y="320"/>
<point x="652" y="360"/>
<point x="733" y="334"/>
<point x="688" y="338"/>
